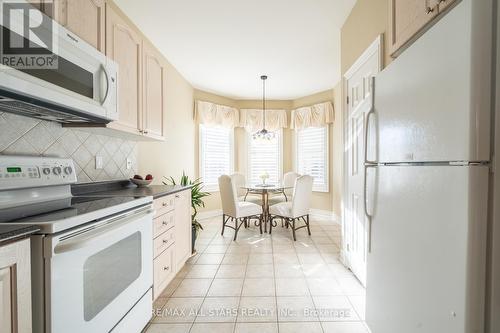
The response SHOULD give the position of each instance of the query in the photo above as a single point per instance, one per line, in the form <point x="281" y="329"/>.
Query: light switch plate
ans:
<point x="98" y="162"/>
<point x="129" y="164"/>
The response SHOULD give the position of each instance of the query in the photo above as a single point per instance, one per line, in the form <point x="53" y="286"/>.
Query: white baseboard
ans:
<point x="209" y="214"/>
<point x="327" y="214"/>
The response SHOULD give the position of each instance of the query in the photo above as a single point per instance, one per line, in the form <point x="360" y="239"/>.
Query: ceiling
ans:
<point x="223" y="46"/>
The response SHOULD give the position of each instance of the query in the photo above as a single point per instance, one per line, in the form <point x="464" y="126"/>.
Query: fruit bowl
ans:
<point x="141" y="182"/>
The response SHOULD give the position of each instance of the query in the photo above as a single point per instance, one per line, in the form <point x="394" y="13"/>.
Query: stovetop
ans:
<point x="57" y="215"/>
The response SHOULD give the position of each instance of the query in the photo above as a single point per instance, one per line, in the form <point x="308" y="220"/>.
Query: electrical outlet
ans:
<point x="98" y="162"/>
<point x="129" y="164"/>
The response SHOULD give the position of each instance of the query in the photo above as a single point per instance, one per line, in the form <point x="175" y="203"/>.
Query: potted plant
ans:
<point x="197" y="196"/>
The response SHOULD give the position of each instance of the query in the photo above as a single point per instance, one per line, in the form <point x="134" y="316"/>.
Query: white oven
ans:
<point x="95" y="274"/>
<point x="79" y="87"/>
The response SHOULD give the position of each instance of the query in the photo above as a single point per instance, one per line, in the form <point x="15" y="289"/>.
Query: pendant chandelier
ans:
<point x="263" y="134"/>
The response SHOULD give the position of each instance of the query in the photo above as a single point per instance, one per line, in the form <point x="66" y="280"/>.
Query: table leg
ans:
<point x="264" y="210"/>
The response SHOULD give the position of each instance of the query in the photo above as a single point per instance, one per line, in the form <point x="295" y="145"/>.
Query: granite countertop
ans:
<point x="9" y="232"/>
<point x="126" y="188"/>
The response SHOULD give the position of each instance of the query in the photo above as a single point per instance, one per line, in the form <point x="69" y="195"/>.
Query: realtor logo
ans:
<point x="28" y="39"/>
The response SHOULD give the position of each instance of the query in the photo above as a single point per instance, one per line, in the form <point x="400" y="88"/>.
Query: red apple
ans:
<point x="138" y="177"/>
<point x="149" y="177"/>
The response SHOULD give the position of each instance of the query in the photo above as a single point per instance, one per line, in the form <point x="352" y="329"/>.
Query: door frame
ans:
<point x="377" y="46"/>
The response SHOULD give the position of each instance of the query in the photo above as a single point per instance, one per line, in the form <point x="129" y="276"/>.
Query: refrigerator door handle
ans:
<point x="369" y="216"/>
<point x="368" y="115"/>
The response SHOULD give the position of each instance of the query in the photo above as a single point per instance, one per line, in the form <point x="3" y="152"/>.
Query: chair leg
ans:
<point x="237" y="227"/>
<point x="293" y="230"/>
<point x="223" y="224"/>
<point x="260" y="223"/>
<point x="307" y="223"/>
<point x="271" y="225"/>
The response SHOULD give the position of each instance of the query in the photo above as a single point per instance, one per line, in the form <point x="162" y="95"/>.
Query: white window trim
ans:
<point x="325" y="188"/>
<point x="213" y="187"/>
<point x="280" y="165"/>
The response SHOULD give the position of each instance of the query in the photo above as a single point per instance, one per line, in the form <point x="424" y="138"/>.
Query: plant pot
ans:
<point x="193" y="239"/>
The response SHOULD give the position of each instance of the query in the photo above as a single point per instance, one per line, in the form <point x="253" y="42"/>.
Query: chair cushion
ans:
<point x="281" y="209"/>
<point x="248" y="208"/>
<point x="278" y="199"/>
<point x="251" y="198"/>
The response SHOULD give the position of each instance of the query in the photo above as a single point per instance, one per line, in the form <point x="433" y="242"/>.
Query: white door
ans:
<point x="358" y="92"/>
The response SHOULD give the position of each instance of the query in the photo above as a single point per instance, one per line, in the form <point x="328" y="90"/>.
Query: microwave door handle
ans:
<point x="84" y="239"/>
<point x="107" y="84"/>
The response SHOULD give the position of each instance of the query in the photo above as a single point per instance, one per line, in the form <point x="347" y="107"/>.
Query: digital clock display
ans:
<point x="13" y="169"/>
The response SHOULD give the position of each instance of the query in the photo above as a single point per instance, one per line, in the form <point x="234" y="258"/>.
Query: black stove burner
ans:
<point x="59" y="209"/>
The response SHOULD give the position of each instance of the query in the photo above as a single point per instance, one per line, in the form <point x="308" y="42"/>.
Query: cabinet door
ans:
<point x="408" y="17"/>
<point x="153" y="92"/>
<point x="183" y="227"/>
<point x="124" y="45"/>
<point x="15" y="287"/>
<point x="85" y="18"/>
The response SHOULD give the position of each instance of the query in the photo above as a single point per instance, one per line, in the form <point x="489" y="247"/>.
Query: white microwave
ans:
<point x="80" y="86"/>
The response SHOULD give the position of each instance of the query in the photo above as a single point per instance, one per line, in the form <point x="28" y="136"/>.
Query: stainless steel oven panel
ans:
<point x="94" y="275"/>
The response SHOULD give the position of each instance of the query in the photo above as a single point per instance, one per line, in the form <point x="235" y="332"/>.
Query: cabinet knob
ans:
<point x="166" y="268"/>
<point x="145" y="132"/>
<point x="165" y="241"/>
<point x="164" y="223"/>
<point x="430" y="10"/>
<point x="164" y="204"/>
<point x="177" y="196"/>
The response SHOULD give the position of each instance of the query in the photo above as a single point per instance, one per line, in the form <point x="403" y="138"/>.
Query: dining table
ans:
<point x="264" y="190"/>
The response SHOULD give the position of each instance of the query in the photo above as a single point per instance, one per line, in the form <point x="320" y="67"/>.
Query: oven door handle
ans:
<point x="83" y="239"/>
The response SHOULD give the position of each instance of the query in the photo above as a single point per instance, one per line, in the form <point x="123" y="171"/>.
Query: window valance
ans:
<point x="252" y="119"/>
<point x="216" y="115"/>
<point x="317" y="115"/>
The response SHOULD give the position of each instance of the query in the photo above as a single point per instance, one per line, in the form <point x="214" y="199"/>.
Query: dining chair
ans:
<point x="295" y="210"/>
<point x="287" y="194"/>
<point x="239" y="181"/>
<point x="241" y="212"/>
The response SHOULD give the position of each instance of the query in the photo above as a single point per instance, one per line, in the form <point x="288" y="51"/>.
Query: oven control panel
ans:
<point x="26" y="171"/>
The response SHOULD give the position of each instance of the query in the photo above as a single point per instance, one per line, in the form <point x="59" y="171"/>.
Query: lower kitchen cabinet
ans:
<point x="171" y="237"/>
<point x="15" y="287"/>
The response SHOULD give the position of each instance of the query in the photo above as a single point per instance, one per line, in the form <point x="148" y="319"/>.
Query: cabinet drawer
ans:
<point x="164" y="204"/>
<point x="163" y="271"/>
<point x="163" y="223"/>
<point x="163" y="241"/>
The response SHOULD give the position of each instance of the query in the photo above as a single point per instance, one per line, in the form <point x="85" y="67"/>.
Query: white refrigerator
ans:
<point x="426" y="182"/>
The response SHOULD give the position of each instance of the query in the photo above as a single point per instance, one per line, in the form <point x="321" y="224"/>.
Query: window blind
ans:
<point x="216" y="155"/>
<point x="312" y="155"/>
<point x="265" y="156"/>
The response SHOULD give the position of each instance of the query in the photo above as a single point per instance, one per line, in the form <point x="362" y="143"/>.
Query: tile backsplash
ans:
<point x="28" y="136"/>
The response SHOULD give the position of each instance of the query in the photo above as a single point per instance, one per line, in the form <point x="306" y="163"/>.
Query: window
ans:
<point x="311" y="146"/>
<point x="265" y="157"/>
<point x="216" y="155"/>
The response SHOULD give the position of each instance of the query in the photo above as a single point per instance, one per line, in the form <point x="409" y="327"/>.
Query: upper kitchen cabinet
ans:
<point x="410" y="18"/>
<point x="85" y="18"/>
<point x="153" y="92"/>
<point x="124" y="45"/>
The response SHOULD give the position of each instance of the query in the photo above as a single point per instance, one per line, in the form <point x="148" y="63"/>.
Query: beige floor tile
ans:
<point x="260" y="259"/>
<point x="283" y="248"/>
<point x="180" y="310"/>
<point x="235" y="259"/>
<point x="202" y="272"/>
<point x="351" y="286"/>
<point x="334" y="308"/>
<point x="260" y="271"/>
<point x="256" y="328"/>
<point x="288" y="271"/>
<point x="225" y="287"/>
<point x="285" y="259"/>
<point x="340" y="270"/>
<point x="231" y="272"/>
<point x="291" y="287"/>
<point x="210" y="259"/>
<point x="307" y="258"/>
<point x="212" y="328"/>
<point x="168" y="328"/>
<point x="169" y="290"/>
<point x="259" y="287"/>
<point x="324" y="287"/>
<point x="238" y="248"/>
<point x="339" y="327"/>
<point x="320" y="270"/>
<point x="192" y="288"/>
<point x="297" y="308"/>
<point x="312" y="327"/>
<point x="216" y="249"/>
<point x="257" y="309"/>
<point x="359" y="304"/>
<point x="218" y="309"/>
